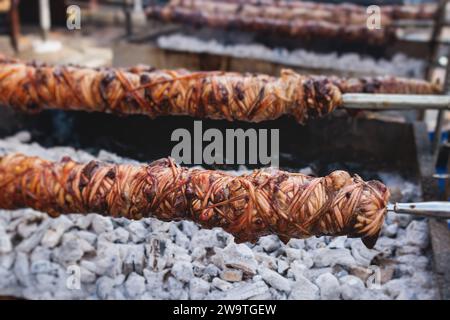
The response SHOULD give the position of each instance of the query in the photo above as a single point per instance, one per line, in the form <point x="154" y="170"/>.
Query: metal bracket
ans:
<point x="440" y="22"/>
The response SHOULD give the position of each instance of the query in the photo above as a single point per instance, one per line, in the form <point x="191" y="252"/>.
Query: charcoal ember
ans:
<point x="231" y="275"/>
<point x="198" y="288"/>
<point x="137" y="231"/>
<point x="362" y="254"/>
<point x="53" y="235"/>
<point x="329" y="286"/>
<point x="391" y="230"/>
<point x="247" y="290"/>
<point x="241" y="257"/>
<point x="135" y="286"/>
<point x="33" y="241"/>
<point x="5" y="241"/>
<point x="182" y="271"/>
<point x="101" y="224"/>
<point x="417" y="234"/>
<point x="325" y="257"/>
<point x="269" y="243"/>
<point x="282" y="266"/>
<point x="221" y="284"/>
<point x="351" y="287"/>
<point x="304" y="289"/>
<point x="275" y="280"/>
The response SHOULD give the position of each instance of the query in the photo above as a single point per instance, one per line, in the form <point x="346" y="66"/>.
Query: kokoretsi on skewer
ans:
<point x="216" y="95"/>
<point x="267" y="201"/>
<point x="298" y="19"/>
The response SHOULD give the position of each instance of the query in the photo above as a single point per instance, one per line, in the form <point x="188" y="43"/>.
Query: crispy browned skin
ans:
<point x="267" y="201"/>
<point x="217" y="95"/>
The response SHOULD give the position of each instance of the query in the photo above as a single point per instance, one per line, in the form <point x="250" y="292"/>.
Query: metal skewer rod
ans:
<point x="433" y="209"/>
<point x="441" y="176"/>
<point x="410" y="23"/>
<point x="421" y="38"/>
<point x="395" y="101"/>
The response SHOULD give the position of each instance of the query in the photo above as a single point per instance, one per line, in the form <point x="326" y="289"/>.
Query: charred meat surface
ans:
<point x="232" y="96"/>
<point x="266" y="201"/>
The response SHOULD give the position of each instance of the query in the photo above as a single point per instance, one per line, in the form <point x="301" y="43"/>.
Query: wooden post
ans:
<point x="14" y="25"/>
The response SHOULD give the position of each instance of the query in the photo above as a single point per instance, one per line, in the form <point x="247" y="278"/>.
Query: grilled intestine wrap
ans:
<point x="33" y="87"/>
<point x="266" y="201"/>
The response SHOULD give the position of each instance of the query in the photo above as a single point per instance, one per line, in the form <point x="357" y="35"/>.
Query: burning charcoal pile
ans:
<point x="41" y="257"/>
<point x="399" y="65"/>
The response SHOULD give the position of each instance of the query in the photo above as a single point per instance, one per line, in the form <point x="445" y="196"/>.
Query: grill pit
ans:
<point x="177" y="259"/>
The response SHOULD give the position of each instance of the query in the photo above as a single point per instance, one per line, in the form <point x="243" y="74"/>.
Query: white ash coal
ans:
<point x="399" y="64"/>
<point x="150" y="259"/>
